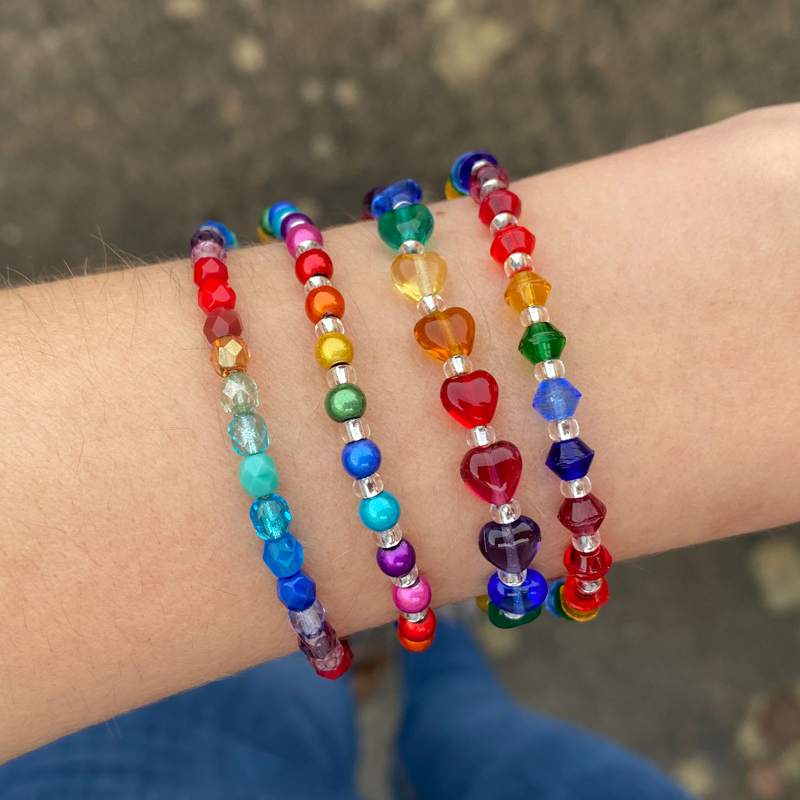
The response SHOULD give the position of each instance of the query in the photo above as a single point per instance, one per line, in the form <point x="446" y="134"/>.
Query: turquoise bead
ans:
<point x="270" y="516"/>
<point x="283" y="556"/>
<point x="404" y="223"/>
<point x="248" y="433"/>
<point x="381" y="512"/>
<point x="258" y="474"/>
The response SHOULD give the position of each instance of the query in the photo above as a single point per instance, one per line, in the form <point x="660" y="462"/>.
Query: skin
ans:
<point x="128" y="566"/>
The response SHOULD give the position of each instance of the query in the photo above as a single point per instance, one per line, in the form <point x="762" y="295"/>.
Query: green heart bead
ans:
<point x="542" y="342"/>
<point x="345" y="402"/>
<point x="405" y="223"/>
<point x="501" y="620"/>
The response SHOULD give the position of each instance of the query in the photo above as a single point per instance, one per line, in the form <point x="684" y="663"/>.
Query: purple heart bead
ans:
<point x="398" y="560"/>
<point x="510" y="547"/>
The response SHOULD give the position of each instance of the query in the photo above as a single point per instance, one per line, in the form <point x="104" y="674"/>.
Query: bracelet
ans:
<point x="490" y="469"/>
<point x="345" y="403"/>
<point x="587" y="561"/>
<point x="258" y="474"/>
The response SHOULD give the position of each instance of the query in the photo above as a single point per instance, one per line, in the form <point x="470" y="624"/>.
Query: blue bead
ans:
<point x="297" y="592"/>
<point x="231" y="242"/>
<point x="270" y="516"/>
<point x="248" y="434"/>
<point x="570" y="459"/>
<point x="381" y="512"/>
<point x="465" y="170"/>
<point x="551" y="603"/>
<point x="556" y="398"/>
<point x="402" y="193"/>
<point x="276" y="213"/>
<point x="361" y="458"/>
<point x="522" y="599"/>
<point x="455" y="172"/>
<point x="283" y="556"/>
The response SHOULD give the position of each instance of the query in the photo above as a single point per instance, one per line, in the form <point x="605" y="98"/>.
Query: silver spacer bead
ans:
<point x="545" y="370"/>
<point x="560" y="430"/>
<point x="577" y="488"/>
<point x="414" y="616"/>
<point x="503" y="220"/>
<point x="506" y="513"/>
<point x="429" y="304"/>
<point x="457" y="365"/>
<point x="533" y="314"/>
<point x="478" y="164"/>
<point x="512" y="578"/>
<point x="490" y="186"/>
<point x="341" y="373"/>
<point x="589" y="587"/>
<point x="314" y="282"/>
<point x="480" y="436"/>
<point x="368" y="487"/>
<point x="517" y="262"/>
<point x="309" y="245"/>
<point x="354" y="430"/>
<point x="586" y="544"/>
<point x="388" y="538"/>
<point x="409" y="579"/>
<point x="329" y="325"/>
<point x="411" y="246"/>
<point x="509" y="615"/>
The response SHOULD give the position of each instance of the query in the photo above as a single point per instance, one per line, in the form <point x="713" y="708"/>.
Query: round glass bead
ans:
<point x="470" y="399"/>
<point x="553" y="601"/>
<point x="248" y="434"/>
<point x="586" y="544"/>
<point x="345" y="402"/>
<point x="313" y="262"/>
<point x="464" y="166"/>
<point x="570" y="459"/>
<point x="283" y="556"/>
<point x="520" y="599"/>
<point x="275" y="216"/>
<point x="238" y="394"/>
<point x="556" y="399"/>
<point x="409" y="579"/>
<point x="333" y="348"/>
<point x="502" y="221"/>
<point x="396" y="561"/>
<point x="447" y="333"/>
<point x="341" y="373"/>
<point x="526" y="288"/>
<point x="353" y="430"/>
<point x="582" y="516"/>
<point x="413" y="646"/>
<point x="215" y="293"/>
<point x="492" y="473"/>
<point x="552" y="368"/>
<point x="500" y="619"/>
<point x="314" y="282"/>
<point x="263" y="222"/>
<point x="404" y="223"/>
<point x="411" y="247"/>
<point x="379" y="513"/>
<point x="222" y="322"/>
<point x="542" y="342"/>
<point x="429" y="304"/>
<point x="270" y="516"/>
<point x="229" y="354"/>
<point x="297" y="592"/>
<point x="588" y="566"/>
<point x="258" y="474"/>
<point x="560" y="430"/>
<point x="390" y="538"/>
<point x="370" y="486"/>
<point x="324" y="301"/>
<point x="533" y="314"/>
<point x="480" y="436"/>
<point x="500" y="202"/>
<point x="208" y="250"/>
<point x="329" y="325"/>
<point x="510" y="547"/>
<point x="310" y="621"/>
<point x="290" y="220"/>
<point x="209" y="267"/>
<point x="414" y="598"/>
<point x="309" y="244"/>
<point x="517" y="262"/>
<point x="361" y="458"/>
<point x="457" y="365"/>
<point x="515" y="239"/>
<point x="304" y="232"/>
<point x="577" y="488"/>
<point x="506" y="513"/>
<point x="417" y="631"/>
<point x="486" y="180"/>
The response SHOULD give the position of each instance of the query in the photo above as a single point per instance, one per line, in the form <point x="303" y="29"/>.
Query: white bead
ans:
<point x="533" y="314"/>
<point x="560" y="430"/>
<point x="429" y="304"/>
<point x="545" y="370"/>
<point x="480" y="436"/>
<point x="414" y="616"/>
<point x="506" y="513"/>
<point x="577" y="488"/>
<point x="329" y="325"/>
<point x="457" y="365"/>
<point x="314" y="282"/>
<point x="502" y="220"/>
<point x="409" y="579"/>
<point x="589" y="587"/>
<point x="411" y="246"/>
<point x="516" y="262"/>
<point x="388" y="538"/>
<point x="512" y="578"/>
<point x="368" y="487"/>
<point x="341" y="373"/>
<point x="492" y="185"/>
<point x="354" y="430"/>
<point x="309" y="245"/>
<point x="586" y="544"/>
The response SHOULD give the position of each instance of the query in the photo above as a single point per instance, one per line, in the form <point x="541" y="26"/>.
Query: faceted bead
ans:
<point x="525" y="289"/>
<point x="411" y="599"/>
<point x="588" y="566"/>
<point x="500" y="202"/>
<point x="229" y="354"/>
<point x="270" y="516"/>
<point x="418" y="275"/>
<point x="379" y="513"/>
<point x="275" y="216"/>
<point x="492" y="473"/>
<point x="583" y="516"/>
<point x="215" y="293"/>
<point x="462" y="168"/>
<point x="304" y="232"/>
<point x="361" y="458"/>
<point x="413" y="646"/>
<point x="446" y="333"/>
<point x="290" y="220"/>
<point x="417" y="631"/>
<point x="556" y="398"/>
<point x="404" y="223"/>
<point x="239" y="394"/>
<point x="470" y="399"/>
<point x="542" y="342"/>
<point x="248" y="434"/>
<point x="520" y="599"/>
<point x="333" y="348"/>
<point x="321" y="644"/>
<point x="366" y="203"/>
<point x="297" y="592"/>
<point x="208" y="250"/>
<point x="207" y="234"/>
<point x="222" y="322"/>
<point x="324" y="301"/>
<point x="577" y="600"/>
<point x="310" y="621"/>
<point x="258" y="474"/>
<point x="402" y="193"/>
<point x="510" y="547"/>
<point x="397" y="561"/>
<point x="500" y="619"/>
<point x="570" y="460"/>
<point x="205" y="268"/>
<point x="313" y="262"/>
<point x="345" y="402"/>
<point x="283" y="556"/>
<point x="229" y="237"/>
<point x="336" y="664"/>
<point x="488" y="173"/>
<point x="514" y="239"/>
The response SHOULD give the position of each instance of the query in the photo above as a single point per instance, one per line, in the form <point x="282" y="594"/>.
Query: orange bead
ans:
<point x="415" y="647"/>
<point x="446" y="333"/>
<point x="230" y="354"/>
<point x="324" y="301"/>
<point x="525" y="289"/>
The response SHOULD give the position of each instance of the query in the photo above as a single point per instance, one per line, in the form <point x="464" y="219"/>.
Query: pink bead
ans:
<point x="208" y="250"/>
<point x="414" y="598"/>
<point x="298" y="234"/>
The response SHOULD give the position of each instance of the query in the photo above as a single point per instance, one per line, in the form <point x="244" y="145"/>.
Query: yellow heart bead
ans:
<point x="417" y="275"/>
<point x="525" y="289"/>
<point x="447" y="333"/>
<point x="333" y="348"/>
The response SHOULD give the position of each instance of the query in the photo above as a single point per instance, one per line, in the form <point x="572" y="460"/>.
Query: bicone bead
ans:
<point x="583" y="516"/>
<point x="283" y="556"/>
<point x="209" y="267"/>
<point x="500" y="619"/>
<point x="570" y="459"/>
<point x="526" y="288"/>
<point x="229" y="354"/>
<point x="275" y="215"/>
<point x="462" y="168"/>
<point x="470" y="399"/>
<point x="580" y="601"/>
<point x="500" y="202"/>
<point x="248" y="434"/>
<point x="324" y="301"/>
<point x="222" y="322"/>
<point x="489" y="177"/>
<point x="521" y="599"/>
<point x="413" y="646"/>
<point x="270" y="516"/>
<point x="310" y="621"/>
<point x="361" y="458"/>
<point x="514" y="239"/>
<point x="345" y="402"/>
<point x="419" y="275"/>
<point x="258" y="474"/>
<point x="542" y="341"/>
<point x="447" y="333"/>
<point x="333" y="348"/>
<point x="510" y="547"/>
<point x="304" y="232"/>
<point x="336" y="664"/>
<point x="379" y="513"/>
<point x="414" y="598"/>
<point x="492" y="473"/>
<point x="238" y="394"/>
<point x="404" y="223"/>
<point x="417" y="631"/>
<point x="588" y="566"/>
<point x="311" y="263"/>
<point x="396" y="561"/>
<point x="297" y="592"/>
<point x="215" y="293"/>
<point x="556" y="398"/>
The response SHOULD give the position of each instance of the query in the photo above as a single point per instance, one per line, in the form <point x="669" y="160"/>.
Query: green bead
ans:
<point x="404" y="223"/>
<point x="345" y="402"/>
<point x="263" y="221"/>
<point x="258" y="475"/>
<point x="542" y="342"/>
<point x="500" y="620"/>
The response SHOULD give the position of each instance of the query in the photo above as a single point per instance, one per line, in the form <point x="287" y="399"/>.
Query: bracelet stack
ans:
<point x="491" y="469"/>
<point x="258" y="474"/>
<point x="587" y="561"/>
<point x="345" y="404"/>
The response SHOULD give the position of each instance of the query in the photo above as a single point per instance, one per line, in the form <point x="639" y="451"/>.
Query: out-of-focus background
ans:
<point x="122" y="125"/>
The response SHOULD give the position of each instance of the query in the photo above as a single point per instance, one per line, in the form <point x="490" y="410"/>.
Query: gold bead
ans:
<point x="482" y="601"/>
<point x="578" y="616"/>
<point x="230" y="354"/>
<point x="525" y="289"/>
<point x="450" y="191"/>
<point x="419" y="274"/>
<point x="333" y="348"/>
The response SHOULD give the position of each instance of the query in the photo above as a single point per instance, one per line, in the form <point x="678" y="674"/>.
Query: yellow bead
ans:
<point x="525" y="289"/>
<point x="230" y="354"/>
<point x="264" y="236"/>
<point x="451" y="193"/>
<point x="482" y="601"/>
<point x="578" y="616"/>
<point x="333" y="348"/>
<point x="417" y="275"/>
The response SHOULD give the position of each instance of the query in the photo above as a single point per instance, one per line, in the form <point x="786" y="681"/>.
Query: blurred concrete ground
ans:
<point x="127" y="123"/>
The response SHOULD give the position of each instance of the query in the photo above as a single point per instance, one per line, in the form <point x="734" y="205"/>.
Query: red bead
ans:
<point x="582" y="516"/>
<point x="470" y="399"/>
<point x="222" y="322"/>
<point x="209" y="267"/>
<point x="492" y="472"/>
<point x="313" y="262"/>
<point x="417" y="631"/>
<point x="215" y="293"/>
<point x="588" y="566"/>
<point x="501" y="201"/>
<point x="344" y="665"/>
<point x="514" y="239"/>
<point x="584" y="602"/>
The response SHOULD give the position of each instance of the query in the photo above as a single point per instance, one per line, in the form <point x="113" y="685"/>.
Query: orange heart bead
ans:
<point x="446" y="333"/>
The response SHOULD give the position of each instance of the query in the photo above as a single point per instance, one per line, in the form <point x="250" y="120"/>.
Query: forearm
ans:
<point x="128" y="567"/>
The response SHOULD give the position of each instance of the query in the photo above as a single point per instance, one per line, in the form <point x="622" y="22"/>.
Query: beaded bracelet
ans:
<point x="345" y="404"/>
<point x="490" y="469"/>
<point x="258" y="474"/>
<point x="587" y="561"/>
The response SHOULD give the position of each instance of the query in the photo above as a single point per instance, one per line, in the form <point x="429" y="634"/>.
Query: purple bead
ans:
<point x="293" y="219"/>
<point x="208" y="234"/>
<point x="320" y="644"/>
<point x="510" y="547"/>
<point x="398" y="560"/>
<point x="209" y="250"/>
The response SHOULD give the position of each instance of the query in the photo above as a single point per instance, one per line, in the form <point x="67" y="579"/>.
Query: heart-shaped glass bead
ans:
<point x="419" y="274"/>
<point x="446" y="333"/>
<point x="492" y="472"/>
<point x="470" y="399"/>
<point x="510" y="547"/>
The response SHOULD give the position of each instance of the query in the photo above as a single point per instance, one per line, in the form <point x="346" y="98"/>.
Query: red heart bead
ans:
<point x="471" y="399"/>
<point x="492" y="472"/>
